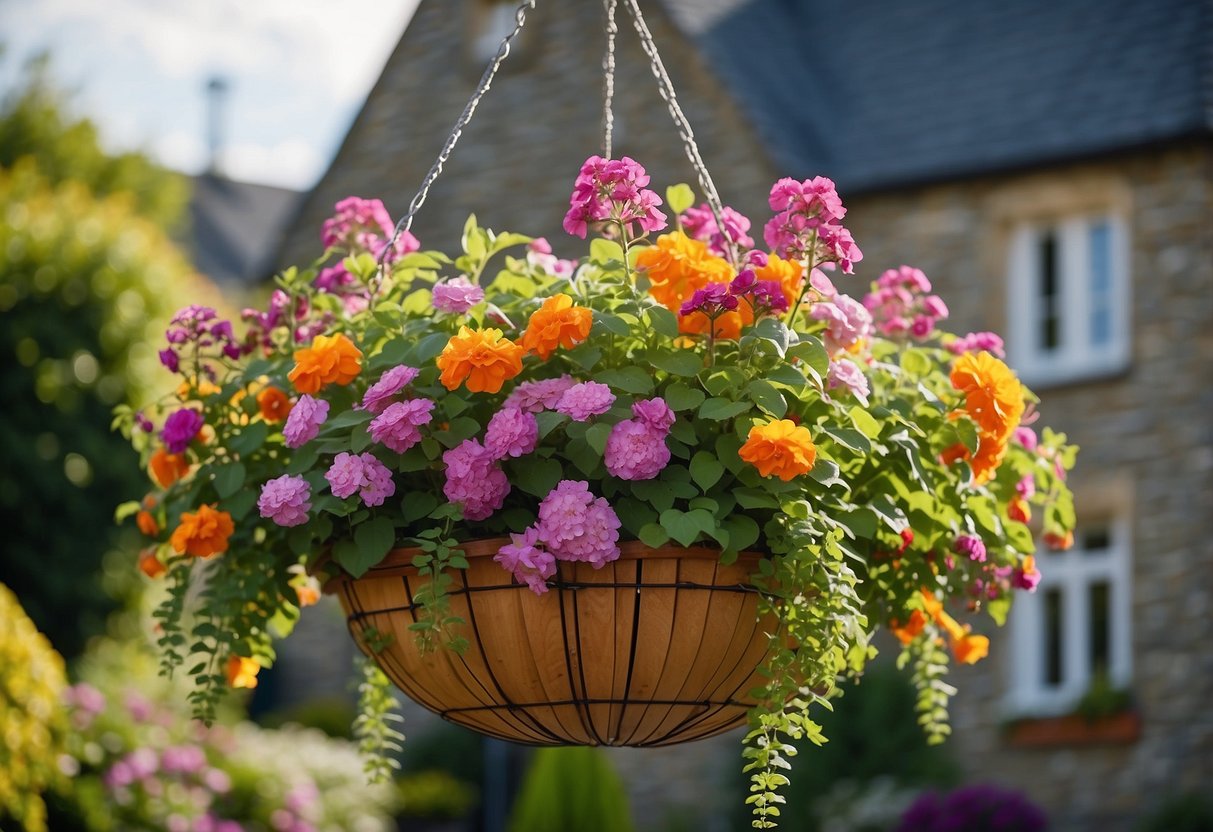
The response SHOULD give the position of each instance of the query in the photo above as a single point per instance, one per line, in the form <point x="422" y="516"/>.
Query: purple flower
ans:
<point x="511" y="432"/>
<point x="304" y="421"/>
<point x="379" y="394"/>
<point x="971" y="547"/>
<point x="744" y="282"/>
<point x="535" y="396"/>
<point x="576" y="526"/>
<point x="654" y="412"/>
<point x="344" y="475"/>
<point x="377" y="484"/>
<point x="768" y="298"/>
<point x="846" y="373"/>
<point x="170" y="360"/>
<point x="636" y="451"/>
<point x="286" y="500"/>
<point x="474" y="480"/>
<point x="581" y="401"/>
<point x="612" y="189"/>
<point x="180" y="428"/>
<point x="397" y="426"/>
<point x="700" y="224"/>
<point x="143" y="423"/>
<point x="530" y="564"/>
<point x="712" y="300"/>
<point x="457" y="295"/>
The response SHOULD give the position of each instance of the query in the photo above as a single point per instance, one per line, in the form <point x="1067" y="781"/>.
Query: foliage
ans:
<point x="140" y="763"/>
<point x="435" y="794"/>
<point x="986" y="807"/>
<point x="1103" y="699"/>
<point x="84" y="284"/>
<point x="31" y="724"/>
<point x="36" y="124"/>
<point x="571" y="788"/>
<point x="1189" y="812"/>
<point x="655" y="391"/>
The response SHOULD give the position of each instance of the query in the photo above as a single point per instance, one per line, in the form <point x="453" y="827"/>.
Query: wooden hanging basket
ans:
<point x="659" y="647"/>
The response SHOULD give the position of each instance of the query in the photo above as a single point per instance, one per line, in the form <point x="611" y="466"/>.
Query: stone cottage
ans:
<point x="1048" y="163"/>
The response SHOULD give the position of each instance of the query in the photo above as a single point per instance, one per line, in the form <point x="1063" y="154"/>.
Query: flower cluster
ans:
<point x="994" y="400"/>
<point x="198" y="335"/>
<point x="636" y="448"/>
<point x="808" y="224"/>
<point x="613" y="190"/>
<point x="901" y="304"/>
<point x="700" y="224"/>
<point x="364" y="225"/>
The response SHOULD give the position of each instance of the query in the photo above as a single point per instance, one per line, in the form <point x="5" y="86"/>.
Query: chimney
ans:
<point x="216" y="94"/>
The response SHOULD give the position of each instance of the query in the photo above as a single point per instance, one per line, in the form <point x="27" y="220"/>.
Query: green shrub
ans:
<point x="571" y="788"/>
<point x="1182" y="813"/>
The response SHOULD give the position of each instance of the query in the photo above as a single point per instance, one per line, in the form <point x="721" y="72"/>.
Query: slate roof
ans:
<point x="884" y="93"/>
<point x="236" y="227"/>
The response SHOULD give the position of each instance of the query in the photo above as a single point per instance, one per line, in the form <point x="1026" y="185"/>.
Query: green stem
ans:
<point x="804" y="289"/>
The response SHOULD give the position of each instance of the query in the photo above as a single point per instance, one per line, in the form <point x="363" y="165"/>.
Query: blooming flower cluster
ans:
<point x="364" y="225"/>
<point x="636" y="448"/>
<point x="808" y="224"/>
<point x="198" y="335"/>
<point x="901" y="304"/>
<point x="700" y="224"/>
<point x="614" y="190"/>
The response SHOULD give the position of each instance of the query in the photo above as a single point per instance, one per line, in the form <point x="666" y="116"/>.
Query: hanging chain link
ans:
<point x="666" y="87"/>
<point x="608" y="80"/>
<point x="486" y="81"/>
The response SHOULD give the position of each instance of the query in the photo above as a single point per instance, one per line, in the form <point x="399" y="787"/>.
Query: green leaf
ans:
<point x="663" y="321"/>
<point x="775" y="332"/>
<point x="915" y="362"/>
<point x="586" y="356"/>
<point x="679" y="197"/>
<point x="536" y="476"/>
<point x="706" y="470"/>
<point x="372" y="540"/>
<point x="127" y="509"/>
<point x="743" y="531"/>
<point x="229" y="479"/>
<point x="888" y="511"/>
<point x="629" y="379"/>
<point x="764" y="394"/>
<point x="682" y="363"/>
<point x="596" y="435"/>
<point x="861" y="522"/>
<point x="249" y="438"/>
<point x="721" y="409"/>
<point x="548" y="421"/>
<point x="653" y="535"/>
<point x="687" y="526"/>
<point x="680" y="397"/>
<point x="417" y="504"/>
<point x="825" y="471"/>
<point x="849" y="438"/>
<point x="603" y="251"/>
<point x="241" y="503"/>
<point x="865" y="421"/>
<point x="611" y="323"/>
<point x="812" y="352"/>
<point x="428" y="348"/>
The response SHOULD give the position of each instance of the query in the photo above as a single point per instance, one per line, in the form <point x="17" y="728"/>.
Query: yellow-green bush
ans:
<point x="31" y="720"/>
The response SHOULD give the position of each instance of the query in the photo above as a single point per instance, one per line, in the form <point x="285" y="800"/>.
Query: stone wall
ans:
<point x="515" y="164"/>
<point x="1147" y="450"/>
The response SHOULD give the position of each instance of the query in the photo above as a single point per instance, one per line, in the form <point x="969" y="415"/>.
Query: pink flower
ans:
<point x="1026" y="437"/>
<point x="474" y="480"/>
<point x="654" y="413"/>
<point x="530" y="564"/>
<point x="612" y="189"/>
<point x="286" y="500"/>
<point x="1026" y="487"/>
<point x="380" y="394"/>
<point x="86" y="698"/>
<point x="364" y="225"/>
<point x="576" y="526"/>
<point x="846" y="373"/>
<point x="457" y="295"/>
<point x="539" y="255"/>
<point x="1026" y="578"/>
<point x="304" y="421"/>
<point x="972" y="547"/>
<point x="363" y="473"/>
<point x="700" y="224"/>
<point x="581" y="401"/>
<point x="922" y="327"/>
<point x="180" y="428"/>
<point x="636" y="451"/>
<point x="511" y="432"/>
<point x="396" y="427"/>
<point x="847" y="322"/>
<point x="344" y="475"/>
<point x="808" y="223"/>
<point x="977" y="342"/>
<point x="535" y="396"/>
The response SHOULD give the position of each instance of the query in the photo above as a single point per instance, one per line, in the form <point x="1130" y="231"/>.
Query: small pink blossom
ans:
<point x="613" y="189"/>
<point x="286" y="500"/>
<point x="977" y="342"/>
<point x="581" y="401"/>
<point x="344" y="475"/>
<point x="575" y="526"/>
<point x="457" y="295"/>
<point x="396" y="428"/>
<point x="511" y="432"/>
<point x="847" y="322"/>
<point x="363" y="473"/>
<point x="474" y="480"/>
<point x="654" y="413"/>
<point x="1026" y="487"/>
<point x="304" y="421"/>
<point x="527" y="560"/>
<point x="846" y="373"/>
<point x="380" y="394"/>
<point x="536" y="396"/>
<point x="700" y="224"/>
<point x="636" y="451"/>
<point x="971" y="547"/>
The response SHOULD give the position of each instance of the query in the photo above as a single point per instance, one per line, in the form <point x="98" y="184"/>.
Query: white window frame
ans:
<point x="492" y="22"/>
<point x="1072" y="572"/>
<point x="1075" y="358"/>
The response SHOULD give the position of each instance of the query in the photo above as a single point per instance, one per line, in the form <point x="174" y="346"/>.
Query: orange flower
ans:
<point x="966" y="648"/>
<point x="167" y="468"/>
<point x="953" y="453"/>
<point x="678" y="265"/>
<point x="912" y="629"/>
<point x="558" y="323"/>
<point x="242" y="671"/>
<point x="787" y="273"/>
<point x="993" y="395"/>
<point x="308" y="594"/>
<point x="1019" y="510"/>
<point x="275" y="405"/>
<point x="331" y="359"/>
<point x="147" y="523"/>
<point x="991" y="450"/>
<point x="482" y="358"/>
<point x="931" y="604"/>
<point x="726" y="326"/>
<point x="1059" y="542"/>
<point x="197" y="389"/>
<point x="780" y="447"/>
<point x="203" y="533"/>
<point x="970" y="649"/>
<point x="150" y="565"/>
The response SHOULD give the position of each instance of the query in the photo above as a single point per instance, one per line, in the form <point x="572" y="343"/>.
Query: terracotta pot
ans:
<point x="1055" y="732"/>
<point x="659" y="647"/>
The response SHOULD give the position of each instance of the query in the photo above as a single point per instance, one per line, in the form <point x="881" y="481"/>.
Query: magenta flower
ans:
<point x="846" y="373"/>
<point x="511" y="432"/>
<point x="377" y="483"/>
<point x="474" y="480"/>
<point x="379" y="395"/>
<point x="971" y="547"/>
<point x="700" y="224"/>
<point x="198" y="332"/>
<point x="344" y="475"/>
<point x="304" y="421"/>
<point x="976" y="342"/>
<point x="808" y="224"/>
<point x="286" y="500"/>
<point x="397" y="426"/>
<point x="457" y="295"/>
<point x="1026" y="487"/>
<point x="767" y="298"/>
<point x="636" y="451"/>
<point x="712" y="300"/>
<point x="1026" y="437"/>
<point x="576" y="526"/>
<point x="180" y="428"/>
<point x="364" y="225"/>
<point x="613" y="189"/>
<point x="654" y="413"/>
<point x="536" y="396"/>
<point x="847" y="322"/>
<point x="530" y="564"/>
<point x="581" y="401"/>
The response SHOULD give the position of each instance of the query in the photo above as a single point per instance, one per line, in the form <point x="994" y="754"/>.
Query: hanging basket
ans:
<point x="659" y="647"/>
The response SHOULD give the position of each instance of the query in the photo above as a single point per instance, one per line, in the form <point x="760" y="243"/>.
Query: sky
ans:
<point x="297" y="72"/>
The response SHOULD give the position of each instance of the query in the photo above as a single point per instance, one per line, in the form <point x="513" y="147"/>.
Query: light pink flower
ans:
<point x="286" y="500"/>
<point x="581" y="401"/>
<point x="397" y="426"/>
<point x="524" y="557"/>
<point x="511" y="432"/>
<point x="379" y="395"/>
<point x="636" y="451"/>
<point x="304" y="421"/>
<point x="457" y="295"/>
<point x="846" y="373"/>
<point x="474" y="480"/>
<point x="535" y="396"/>
<point x="654" y="413"/>
<point x="574" y="525"/>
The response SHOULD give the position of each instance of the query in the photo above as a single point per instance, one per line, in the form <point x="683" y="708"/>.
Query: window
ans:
<point x="1069" y="299"/>
<point x="1076" y="626"/>
<point x="491" y="21"/>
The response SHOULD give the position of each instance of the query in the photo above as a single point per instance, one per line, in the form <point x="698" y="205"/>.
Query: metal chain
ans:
<point x="666" y="87"/>
<point x="486" y="80"/>
<point x="608" y="80"/>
